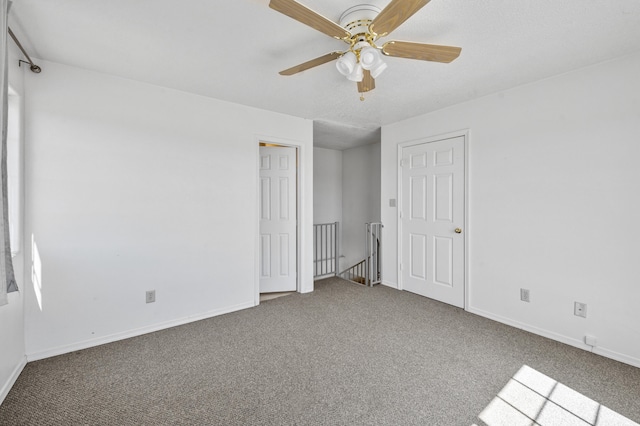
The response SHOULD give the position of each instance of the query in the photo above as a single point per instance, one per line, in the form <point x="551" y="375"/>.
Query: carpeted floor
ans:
<point x="344" y="354"/>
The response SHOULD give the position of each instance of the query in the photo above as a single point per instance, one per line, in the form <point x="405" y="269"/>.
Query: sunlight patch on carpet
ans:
<point x="532" y="398"/>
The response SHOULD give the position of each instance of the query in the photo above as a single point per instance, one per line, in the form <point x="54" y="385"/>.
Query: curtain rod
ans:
<point x="33" y="66"/>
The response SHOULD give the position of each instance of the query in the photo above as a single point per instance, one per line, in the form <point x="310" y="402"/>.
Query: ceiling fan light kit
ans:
<point x="371" y="59"/>
<point x="357" y="75"/>
<point x="347" y="63"/>
<point x="360" y="26"/>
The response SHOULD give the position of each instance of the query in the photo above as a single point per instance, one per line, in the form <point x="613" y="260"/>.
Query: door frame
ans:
<point x="298" y="147"/>
<point x="436" y="138"/>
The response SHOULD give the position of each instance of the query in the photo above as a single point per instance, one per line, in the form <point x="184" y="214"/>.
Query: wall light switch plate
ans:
<point x="151" y="296"/>
<point x="392" y="202"/>
<point x="524" y="295"/>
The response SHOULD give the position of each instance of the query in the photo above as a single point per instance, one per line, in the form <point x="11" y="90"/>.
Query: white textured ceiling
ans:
<point x="333" y="135"/>
<point x="233" y="50"/>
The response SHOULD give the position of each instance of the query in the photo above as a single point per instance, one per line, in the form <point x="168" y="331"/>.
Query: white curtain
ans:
<point x="7" y="278"/>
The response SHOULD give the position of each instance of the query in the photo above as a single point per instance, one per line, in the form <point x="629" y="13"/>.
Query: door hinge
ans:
<point x="403" y="162"/>
<point x="401" y="215"/>
<point x="401" y="266"/>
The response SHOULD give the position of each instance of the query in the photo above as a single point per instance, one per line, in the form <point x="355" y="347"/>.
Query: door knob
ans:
<point x="458" y="231"/>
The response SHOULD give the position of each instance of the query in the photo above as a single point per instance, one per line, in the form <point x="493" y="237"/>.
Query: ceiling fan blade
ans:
<point x="312" y="63"/>
<point x="425" y="52"/>
<point x="394" y="15"/>
<point x="367" y="84"/>
<point x="303" y="14"/>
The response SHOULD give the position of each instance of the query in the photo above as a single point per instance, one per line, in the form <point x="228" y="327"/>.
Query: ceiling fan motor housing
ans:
<point x="356" y="20"/>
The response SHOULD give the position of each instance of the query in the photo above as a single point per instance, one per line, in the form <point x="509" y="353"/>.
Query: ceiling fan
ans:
<point x="360" y="27"/>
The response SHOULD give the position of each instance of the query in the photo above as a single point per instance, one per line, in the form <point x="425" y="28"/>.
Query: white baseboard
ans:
<point x="557" y="337"/>
<point x="4" y="391"/>
<point x="322" y="277"/>
<point x="34" y="356"/>
<point x="617" y="356"/>
<point x="389" y="284"/>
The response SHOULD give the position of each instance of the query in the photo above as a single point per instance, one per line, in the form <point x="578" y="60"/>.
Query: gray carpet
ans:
<point x="344" y="354"/>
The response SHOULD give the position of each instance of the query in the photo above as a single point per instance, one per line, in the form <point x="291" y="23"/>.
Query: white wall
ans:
<point x="554" y="203"/>
<point x="360" y="198"/>
<point x="133" y="187"/>
<point x="327" y="185"/>
<point x="327" y="194"/>
<point x="12" y="354"/>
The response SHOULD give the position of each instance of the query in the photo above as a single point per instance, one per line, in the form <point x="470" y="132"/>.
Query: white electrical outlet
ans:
<point x="590" y="340"/>
<point x="580" y="309"/>
<point x="524" y="294"/>
<point x="151" y="296"/>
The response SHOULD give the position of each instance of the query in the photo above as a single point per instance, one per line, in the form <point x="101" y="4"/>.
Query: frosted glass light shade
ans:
<point x="375" y="72"/>
<point x="357" y="74"/>
<point x="370" y="57"/>
<point x="346" y="64"/>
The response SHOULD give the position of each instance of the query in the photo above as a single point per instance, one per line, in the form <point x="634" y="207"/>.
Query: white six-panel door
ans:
<point x="432" y="219"/>
<point x="278" y="250"/>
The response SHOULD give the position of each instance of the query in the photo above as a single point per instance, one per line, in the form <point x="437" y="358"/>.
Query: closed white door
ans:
<point x="432" y="219"/>
<point x="278" y="237"/>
